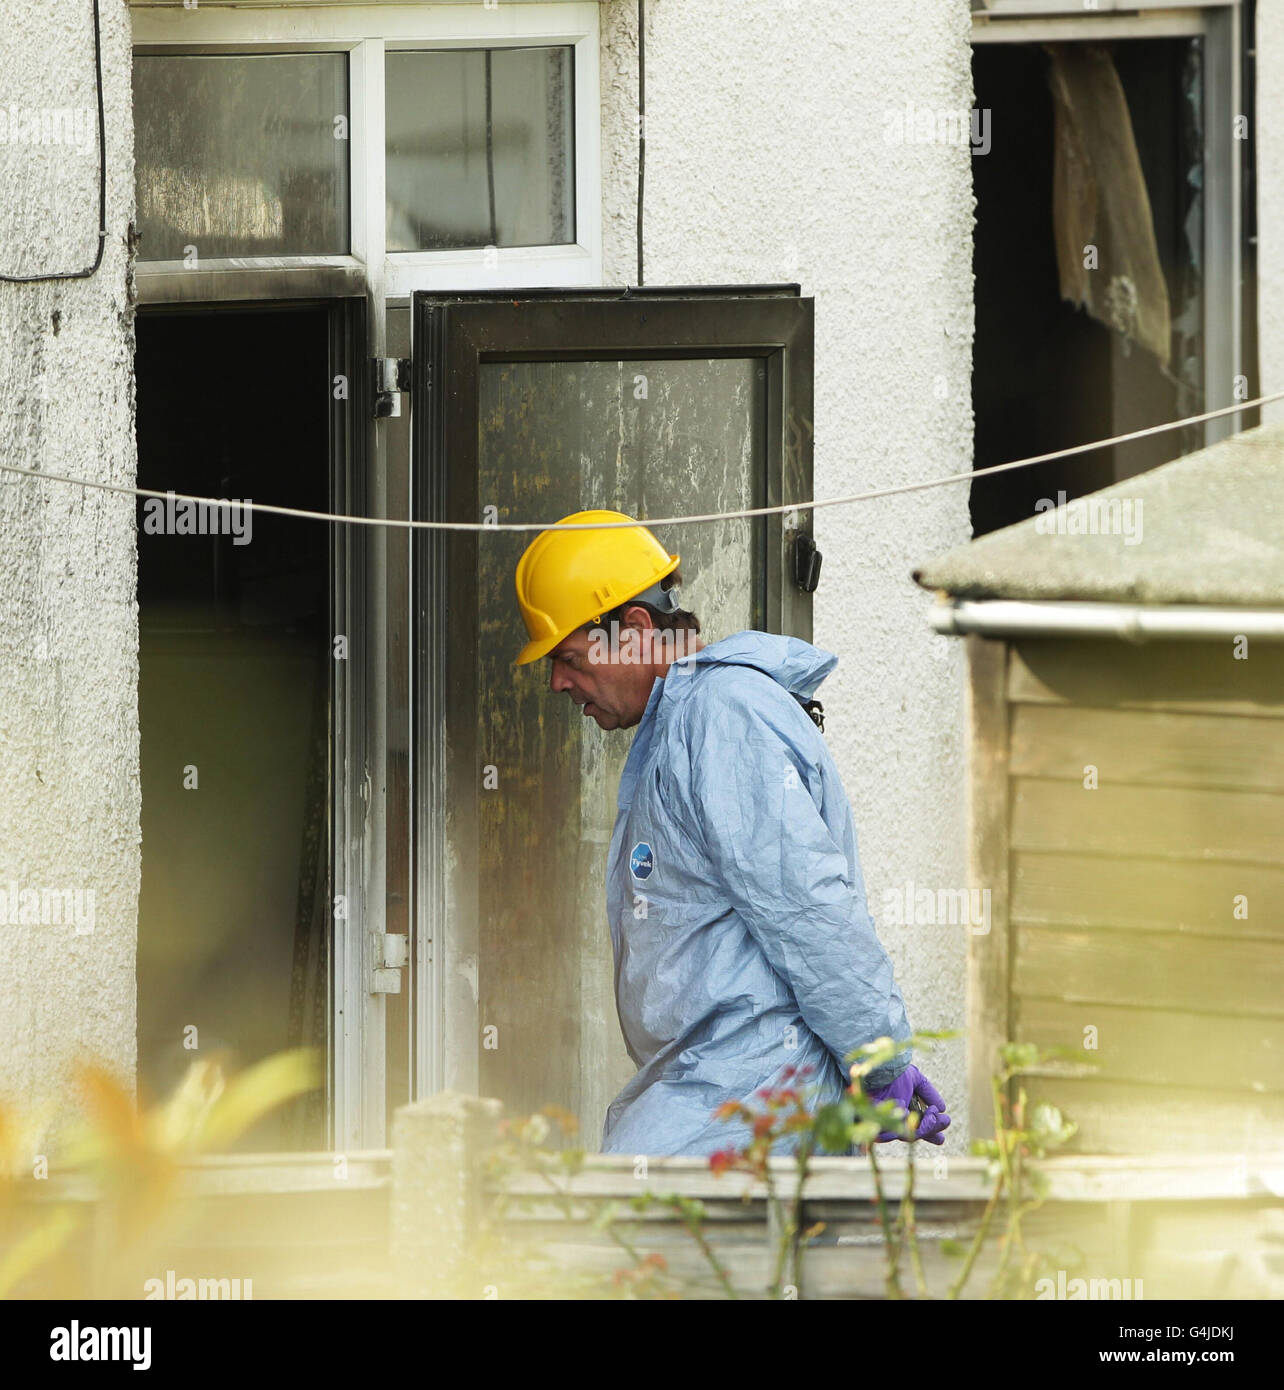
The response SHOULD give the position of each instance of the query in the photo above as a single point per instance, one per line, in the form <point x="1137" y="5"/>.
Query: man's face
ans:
<point x="614" y="693"/>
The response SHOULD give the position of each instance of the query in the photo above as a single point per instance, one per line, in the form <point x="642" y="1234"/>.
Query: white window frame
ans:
<point x="366" y="33"/>
<point x="1079" y="9"/>
<point x="1035" y="21"/>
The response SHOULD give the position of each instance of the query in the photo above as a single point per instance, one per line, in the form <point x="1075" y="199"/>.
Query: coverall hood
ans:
<point x="794" y="664"/>
<point x="743" y="942"/>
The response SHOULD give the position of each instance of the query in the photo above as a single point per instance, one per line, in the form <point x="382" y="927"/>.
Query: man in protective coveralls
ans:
<point x="744" y="949"/>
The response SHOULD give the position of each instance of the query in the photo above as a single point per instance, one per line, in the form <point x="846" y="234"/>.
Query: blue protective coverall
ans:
<point x="743" y="943"/>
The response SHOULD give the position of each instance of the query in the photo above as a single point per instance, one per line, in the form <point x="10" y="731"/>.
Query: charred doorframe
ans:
<point x="355" y="1096"/>
<point x="1220" y="26"/>
<point x="376" y="1030"/>
<point x="455" y="335"/>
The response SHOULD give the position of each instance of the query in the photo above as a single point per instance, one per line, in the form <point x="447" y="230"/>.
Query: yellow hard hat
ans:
<point x="568" y="578"/>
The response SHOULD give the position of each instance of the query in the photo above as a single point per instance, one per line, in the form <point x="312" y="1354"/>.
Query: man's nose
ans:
<point x="558" y="681"/>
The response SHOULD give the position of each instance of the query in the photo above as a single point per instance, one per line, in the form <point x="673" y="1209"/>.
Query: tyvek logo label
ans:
<point x="641" y="861"/>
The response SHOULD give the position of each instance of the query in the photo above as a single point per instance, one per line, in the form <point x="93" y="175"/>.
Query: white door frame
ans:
<point x="366" y="821"/>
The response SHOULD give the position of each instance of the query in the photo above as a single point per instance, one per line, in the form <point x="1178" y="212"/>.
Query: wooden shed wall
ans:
<point x="1148" y="909"/>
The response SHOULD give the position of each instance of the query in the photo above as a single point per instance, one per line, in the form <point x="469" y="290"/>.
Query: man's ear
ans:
<point x="635" y="615"/>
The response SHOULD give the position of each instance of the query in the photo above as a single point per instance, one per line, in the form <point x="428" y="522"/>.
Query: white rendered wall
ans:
<point x="768" y="160"/>
<point x="69" y="791"/>
<point x="1270" y="201"/>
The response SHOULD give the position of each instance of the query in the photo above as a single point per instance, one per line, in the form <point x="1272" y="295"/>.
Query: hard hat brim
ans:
<point x="532" y="651"/>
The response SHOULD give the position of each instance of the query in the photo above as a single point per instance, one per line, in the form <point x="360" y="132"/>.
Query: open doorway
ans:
<point x="234" y="698"/>
<point x="1046" y="375"/>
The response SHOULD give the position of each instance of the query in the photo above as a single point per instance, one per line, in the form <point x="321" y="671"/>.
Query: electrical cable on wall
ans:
<point x="92" y="268"/>
<point x="641" y="128"/>
<point x="898" y="490"/>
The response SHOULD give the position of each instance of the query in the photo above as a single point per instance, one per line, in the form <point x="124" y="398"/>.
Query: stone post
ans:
<point x="437" y="1191"/>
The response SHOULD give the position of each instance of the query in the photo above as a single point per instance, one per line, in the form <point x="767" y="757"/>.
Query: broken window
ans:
<point x="1089" y="257"/>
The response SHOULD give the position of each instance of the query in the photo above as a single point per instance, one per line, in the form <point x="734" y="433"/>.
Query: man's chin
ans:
<point x="604" y="719"/>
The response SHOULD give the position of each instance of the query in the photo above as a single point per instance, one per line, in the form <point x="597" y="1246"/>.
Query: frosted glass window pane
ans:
<point x="241" y="155"/>
<point x="480" y="148"/>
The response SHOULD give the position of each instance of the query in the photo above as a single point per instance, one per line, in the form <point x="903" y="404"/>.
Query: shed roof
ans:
<point x="1210" y="530"/>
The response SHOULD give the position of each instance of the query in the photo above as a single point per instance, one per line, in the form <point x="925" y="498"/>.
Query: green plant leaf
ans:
<point x="832" y="1125"/>
<point x="607" y="1216"/>
<point x="1048" y="1126"/>
<point x="1018" y="1056"/>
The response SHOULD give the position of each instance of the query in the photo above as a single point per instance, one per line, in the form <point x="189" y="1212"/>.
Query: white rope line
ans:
<point x="482" y="526"/>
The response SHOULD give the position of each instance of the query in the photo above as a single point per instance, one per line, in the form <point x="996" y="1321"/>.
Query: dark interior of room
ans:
<point x="234" y="658"/>
<point x="1045" y="375"/>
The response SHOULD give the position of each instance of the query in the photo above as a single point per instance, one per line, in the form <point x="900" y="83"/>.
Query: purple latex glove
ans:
<point x="911" y="1090"/>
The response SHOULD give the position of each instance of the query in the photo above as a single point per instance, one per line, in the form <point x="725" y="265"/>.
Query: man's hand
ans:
<point x="908" y="1086"/>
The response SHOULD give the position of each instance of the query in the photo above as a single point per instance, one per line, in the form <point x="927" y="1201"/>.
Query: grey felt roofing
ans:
<point x="1210" y="528"/>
